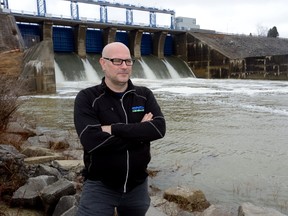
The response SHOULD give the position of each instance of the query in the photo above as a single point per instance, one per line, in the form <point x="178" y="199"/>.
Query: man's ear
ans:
<point x="102" y="63"/>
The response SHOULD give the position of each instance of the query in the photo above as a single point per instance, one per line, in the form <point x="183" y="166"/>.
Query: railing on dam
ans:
<point x="103" y="11"/>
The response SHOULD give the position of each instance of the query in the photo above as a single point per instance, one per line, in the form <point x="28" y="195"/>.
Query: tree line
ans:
<point x="265" y="32"/>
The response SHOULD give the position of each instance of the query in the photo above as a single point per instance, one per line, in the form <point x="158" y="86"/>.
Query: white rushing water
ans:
<point x="173" y="73"/>
<point x="59" y="75"/>
<point x="148" y="72"/>
<point x="90" y="72"/>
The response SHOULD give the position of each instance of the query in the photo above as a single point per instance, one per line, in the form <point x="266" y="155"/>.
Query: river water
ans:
<point x="227" y="138"/>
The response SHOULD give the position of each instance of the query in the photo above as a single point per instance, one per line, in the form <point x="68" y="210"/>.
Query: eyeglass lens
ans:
<point x="117" y="61"/>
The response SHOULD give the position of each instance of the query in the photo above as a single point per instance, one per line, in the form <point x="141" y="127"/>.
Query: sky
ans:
<point x="225" y="16"/>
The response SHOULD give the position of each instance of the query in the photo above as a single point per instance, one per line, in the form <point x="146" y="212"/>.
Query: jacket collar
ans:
<point x="105" y="88"/>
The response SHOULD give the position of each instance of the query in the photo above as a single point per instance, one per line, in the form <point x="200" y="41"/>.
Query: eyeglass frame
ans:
<point x="122" y="60"/>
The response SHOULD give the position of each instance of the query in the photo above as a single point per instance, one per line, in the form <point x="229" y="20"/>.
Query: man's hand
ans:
<point x="147" y="117"/>
<point x="106" y="128"/>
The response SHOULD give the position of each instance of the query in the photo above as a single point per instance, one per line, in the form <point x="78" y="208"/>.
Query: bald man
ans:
<point x="115" y="122"/>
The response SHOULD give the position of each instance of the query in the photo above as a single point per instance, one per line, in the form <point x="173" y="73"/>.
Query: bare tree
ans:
<point x="262" y="30"/>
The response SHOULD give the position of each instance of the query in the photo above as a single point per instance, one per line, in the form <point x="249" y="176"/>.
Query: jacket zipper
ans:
<point x="127" y="152"/>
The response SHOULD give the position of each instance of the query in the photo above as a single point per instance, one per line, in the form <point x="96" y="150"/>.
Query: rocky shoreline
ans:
<point x="41" y="175"/>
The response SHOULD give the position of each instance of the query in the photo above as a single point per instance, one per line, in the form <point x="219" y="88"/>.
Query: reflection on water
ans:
<point x="225" y="137"/>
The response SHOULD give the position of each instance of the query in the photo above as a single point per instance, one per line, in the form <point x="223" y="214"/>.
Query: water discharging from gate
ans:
<point x="70" y="67"/>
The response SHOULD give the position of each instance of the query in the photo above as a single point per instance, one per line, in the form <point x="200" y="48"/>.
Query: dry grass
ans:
<point x="11" y="63"/>
<point x="10" y="89"/>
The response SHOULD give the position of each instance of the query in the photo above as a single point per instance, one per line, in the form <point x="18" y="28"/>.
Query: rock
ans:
<point x="49" y="141"/>
<point x="13" y="173"/>
<point x="67" y="205"/>
<point x="29" y="194"/>
<point x="39" y="141"/>
<point x="32" y="151"/>
<point x="70" y="169"/>
<point x="71" y="211"/>
<point x="37" y="155"/>
<point x="162" y="205"/>
<point x="248" y="209"/>
<point x="73" y="154"/>
<point x="152" y="211"/>
<point x="71" y="165"/>
<point x="16" y="133"/>
<point x="10" y="152"/>
<point x="51" y="194"/>
<point x="59" y="143"/>
<point x="187" y="199"/>
<point x="42" y="159"/>
<point x="11" y="138"/>
<point x="6" y="210"/>
<point x="47" y="170"/>
<point x="217" y="210"/>
<point x="16" y="128"/>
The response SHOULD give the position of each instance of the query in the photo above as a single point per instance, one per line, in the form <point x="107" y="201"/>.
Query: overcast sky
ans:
<point x="227" y="16"/>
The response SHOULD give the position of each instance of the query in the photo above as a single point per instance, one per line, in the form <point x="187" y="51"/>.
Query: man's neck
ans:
<point x="117" y="88"/>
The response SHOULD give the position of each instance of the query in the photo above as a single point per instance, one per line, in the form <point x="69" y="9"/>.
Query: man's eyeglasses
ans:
<point x="117" y="61"/>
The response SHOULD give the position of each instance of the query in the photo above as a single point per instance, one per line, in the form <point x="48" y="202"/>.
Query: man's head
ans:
<point x="116" y="63"/>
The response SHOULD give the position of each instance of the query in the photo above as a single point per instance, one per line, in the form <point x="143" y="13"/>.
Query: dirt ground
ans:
<point x="11" y="62"/>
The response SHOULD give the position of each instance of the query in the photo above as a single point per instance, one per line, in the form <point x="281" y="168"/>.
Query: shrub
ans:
<point x="11" y="88"/>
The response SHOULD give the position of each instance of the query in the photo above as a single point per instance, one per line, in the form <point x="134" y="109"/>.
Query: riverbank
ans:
<point x="57" y="150"/>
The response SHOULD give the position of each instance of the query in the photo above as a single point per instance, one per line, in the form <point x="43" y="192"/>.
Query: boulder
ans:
<point x="72" y="165"/>
<point x="70" y="169"/>
<point x="59" y="143"/>
<point x="162" y="205"/>
<point x="47" y="170"/>
<point x="187" y="198"/>
<point x="29" y="194"/>
<point x="152" y="211"/>
<point x="33" y="151"/>
<point x="13" y="173"/>
<point x="11" y="138"/>
<point x="51" y="194"/>
<point x="16" y="133"/>
<point x="43" y="159"/>
<point x="218" y="210"/>
<point x="20" y="128"/>
<point x="38" y="155"/>
<point x="39" y="141"/>
<point x="248" y="209"/>
<point x="67" y="205"/>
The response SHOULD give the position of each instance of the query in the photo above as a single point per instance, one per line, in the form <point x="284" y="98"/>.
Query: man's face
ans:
<point x="116" y="72"/>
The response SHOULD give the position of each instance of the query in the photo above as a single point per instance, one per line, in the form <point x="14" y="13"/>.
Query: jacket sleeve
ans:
<point x="88" y="126"/>
<point x="144" y="131"/>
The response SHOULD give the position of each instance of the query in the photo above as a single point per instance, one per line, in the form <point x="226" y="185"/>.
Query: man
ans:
<point x="116" y="121"/>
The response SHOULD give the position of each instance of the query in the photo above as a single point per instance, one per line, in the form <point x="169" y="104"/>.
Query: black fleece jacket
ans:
<point x="119" y="160"/>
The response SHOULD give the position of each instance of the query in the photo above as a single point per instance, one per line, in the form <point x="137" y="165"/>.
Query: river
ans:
<point x="227" y="138"/>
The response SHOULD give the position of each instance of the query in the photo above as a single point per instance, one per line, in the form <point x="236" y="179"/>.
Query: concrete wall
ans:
<point x="38" y="68"/>
<point x="35" y="64"/>
<point x="10" y="36"/>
